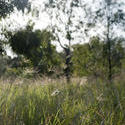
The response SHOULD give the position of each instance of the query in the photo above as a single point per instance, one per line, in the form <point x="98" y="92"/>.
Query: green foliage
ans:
<point x="13" y="72"/>
<point x="25" y="41"/>
<point x="51" y="60"/>
<point x="36" y="46"/>
<point x="16" y="67"/>
<point x="3" y="65"/>
<point x="117" y="54"/>
<point x="91" y="58"/>
<point x="88" y="58"/>
<point x="80" y="59"/>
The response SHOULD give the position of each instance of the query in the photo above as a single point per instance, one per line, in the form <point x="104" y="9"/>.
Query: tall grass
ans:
<point x="62" y="104"/>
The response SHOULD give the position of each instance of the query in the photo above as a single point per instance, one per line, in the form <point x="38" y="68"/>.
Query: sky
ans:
<point x="19" y="20"/>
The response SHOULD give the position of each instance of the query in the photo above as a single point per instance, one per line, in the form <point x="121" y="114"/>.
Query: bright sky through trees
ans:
<point x="18" y="20"/>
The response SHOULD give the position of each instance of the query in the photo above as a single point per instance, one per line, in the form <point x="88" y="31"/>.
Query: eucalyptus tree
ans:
<point x="107" y="18"/>
<point x="102" y="18"/>
<point x="64" y="24"/>
<point x="89" y="58"/>
<point x="112" y="19"/>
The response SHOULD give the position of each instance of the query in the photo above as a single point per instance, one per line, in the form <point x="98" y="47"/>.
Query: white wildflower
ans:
<point x="100" y="98"/>
<point x="83" y="81"/>
<point x="56" y="92"/>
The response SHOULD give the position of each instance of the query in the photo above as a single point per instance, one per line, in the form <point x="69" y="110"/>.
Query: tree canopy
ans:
<point x="7" y="6"/>
<point x="91" y="58"/>
<point x="35" y="46"/>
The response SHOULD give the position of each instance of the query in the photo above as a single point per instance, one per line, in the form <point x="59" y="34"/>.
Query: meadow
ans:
<point x="30" y="102"/>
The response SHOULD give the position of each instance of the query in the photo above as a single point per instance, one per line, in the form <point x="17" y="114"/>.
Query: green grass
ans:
<point x="62" y="104"/>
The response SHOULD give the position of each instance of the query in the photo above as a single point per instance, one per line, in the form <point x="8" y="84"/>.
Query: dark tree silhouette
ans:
<point x="7" y="6"/>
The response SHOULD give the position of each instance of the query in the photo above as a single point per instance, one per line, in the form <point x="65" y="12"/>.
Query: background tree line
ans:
<point x="102" y="56"/>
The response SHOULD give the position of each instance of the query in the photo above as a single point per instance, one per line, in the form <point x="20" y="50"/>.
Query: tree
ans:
<point x="7" y="6"/>
<point x="35" y="46"/>
<point x="26" y="42"/>
<point x="63" y="28"/>
<point x="90" y="59"/>
<point x="117" y="52"/>
<point x="107" y="15"/>
<point x="80" y="59"/>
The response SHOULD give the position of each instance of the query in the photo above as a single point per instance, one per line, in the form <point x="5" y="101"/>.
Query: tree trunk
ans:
<point x="109" y="44"/>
